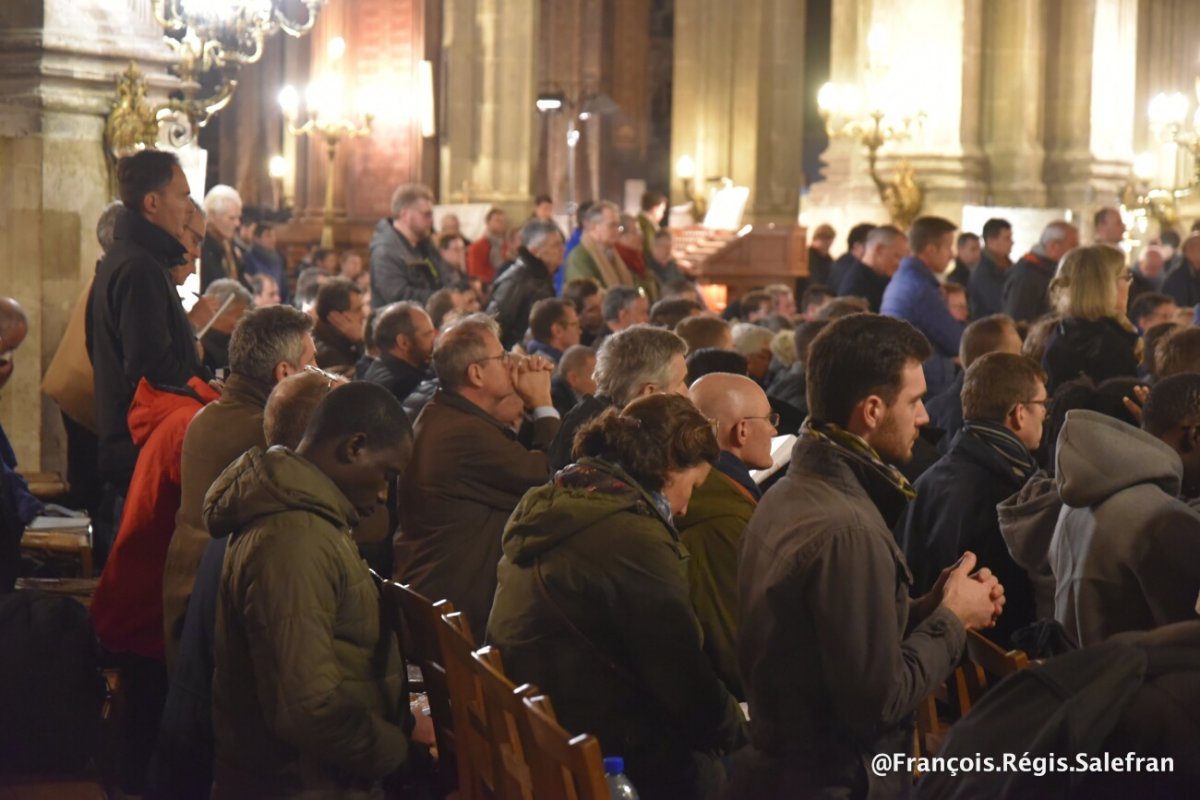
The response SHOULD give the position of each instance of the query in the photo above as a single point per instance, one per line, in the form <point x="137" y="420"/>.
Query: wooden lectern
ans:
<point x="755" y="256"/>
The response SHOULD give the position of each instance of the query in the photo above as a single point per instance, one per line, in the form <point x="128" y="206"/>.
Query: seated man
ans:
<point x="705" y="331"/>
<point x="1126" y="550"/>
<point x="468" y="469"/>
<point x="994" y="334"/>
<point x="340" y="327"/>
<point x="720" y="509"/>
<point x="588" y="299"/>
<point x="405" y="335"/>
<point x="1004" y="403"/>
<point x="554" y="325"/>
<point x="834" y="653"/>
<point x="623" y="307"/>
<point x="640" y="360"/>
<point x="528" y="280"/>
<point x="18" y="506"/>
<point x="309" y="687"/>
<point x="216" y="340"/>
<point x="573" y="378"/>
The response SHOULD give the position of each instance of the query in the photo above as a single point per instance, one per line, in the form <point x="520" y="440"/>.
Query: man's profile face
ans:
<point x="8" y="346"/>
<point x="270" y="293"/>
<point x="419" y="218"/>
<point x="593" y="312"/>
<point x="424" y="336"/>
<point x="939" y="255"/>
<point x="893" y="440"/>
<point x="607" y="230"/>
<point x="172" y="206"/>
<point x="224" y="223"/>
<point x="969" y="252"/>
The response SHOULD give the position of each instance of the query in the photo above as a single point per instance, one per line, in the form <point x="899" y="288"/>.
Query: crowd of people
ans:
<point x="556" y="435"/>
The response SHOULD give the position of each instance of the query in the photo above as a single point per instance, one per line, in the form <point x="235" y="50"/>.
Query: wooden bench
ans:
<point x="72" y="542"/>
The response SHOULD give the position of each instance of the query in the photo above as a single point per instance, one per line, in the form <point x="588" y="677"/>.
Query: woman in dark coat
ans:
<point x="592" y="605"/>
<point x="1094" y="337"/>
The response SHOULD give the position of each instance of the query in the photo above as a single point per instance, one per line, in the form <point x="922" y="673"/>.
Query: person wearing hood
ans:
<point x="469" y="469"/>
<point x="991" y="458"/>
<point x="835" y="654"/>
<point x="721" y="508"/>
<point x="1126" y="550"/>
<point x="309" y="694"/>
<point x="592" y="603"/>
<point x="1094" y="337"/>
<point x="405" y="264"/>
<point x="528" y="280"/>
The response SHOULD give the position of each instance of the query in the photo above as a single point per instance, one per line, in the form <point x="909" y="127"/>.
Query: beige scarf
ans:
<point x="613" y="271"/>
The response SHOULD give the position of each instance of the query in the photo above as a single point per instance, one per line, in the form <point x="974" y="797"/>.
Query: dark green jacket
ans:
<point x="628" y="666"/>
<point x="717" y="515"/>
<point x="308" y="690"/>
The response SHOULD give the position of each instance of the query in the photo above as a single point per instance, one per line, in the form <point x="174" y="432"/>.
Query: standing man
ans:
<point x="136" y="324"/>
<point x="886" y="247"/>
<point x="528" y="280"/>
<point x="985" y="289"/>
<point x="1182" y="283"/>
<point x="835" y="654"/>
<point x="856" y="244"/>
<point x="405" y="264"/>
<point x="1109" y="227"/>
<point x="1027" y="291"/>
<point x="595" y="257"/>
<point x="967" y="251"/>
<point x="820" y="262"/>
<point x="488" y="252"/>
<point x="914" y="294"/>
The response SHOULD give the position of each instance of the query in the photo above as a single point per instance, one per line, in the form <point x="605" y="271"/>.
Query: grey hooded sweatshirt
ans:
<point x="1126" y="550"/>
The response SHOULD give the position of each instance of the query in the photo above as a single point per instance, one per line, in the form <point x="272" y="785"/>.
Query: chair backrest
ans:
<point x="986" y="664"/>
<point x="420" y="620"/>
<point x="476" y="773"/>
<point x="504" y="709"/>
<point x="561" y="766"/>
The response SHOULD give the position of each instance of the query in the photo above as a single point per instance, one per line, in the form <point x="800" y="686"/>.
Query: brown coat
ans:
<point x="220" y="433"/>
<point x="467" y="474"/>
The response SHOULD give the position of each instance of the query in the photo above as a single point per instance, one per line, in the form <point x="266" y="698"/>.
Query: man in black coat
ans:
<point x="528" y="280"/>
<point x="1026" y="292"/>
<point x="135" y="321"/>
<point x="868" y="278"/>
<point x="996" y="333"/>
<point x="405" y="264"/>
<point x="1182" y="283"/>
<point x="404" y="334"/>
<point x="1004" y="405"/>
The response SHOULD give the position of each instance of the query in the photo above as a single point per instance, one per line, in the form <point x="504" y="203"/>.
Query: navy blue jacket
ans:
<point x="914" y="294"/>
<point x="985" y="290"/>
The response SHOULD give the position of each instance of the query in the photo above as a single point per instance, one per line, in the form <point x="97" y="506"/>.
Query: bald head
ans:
<point x="742" y="412"/>
<point x="290" y="407"/>
<point x="13" y="327"/>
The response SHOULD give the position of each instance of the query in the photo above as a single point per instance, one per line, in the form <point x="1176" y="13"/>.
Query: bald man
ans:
<point x="720" y="509"/>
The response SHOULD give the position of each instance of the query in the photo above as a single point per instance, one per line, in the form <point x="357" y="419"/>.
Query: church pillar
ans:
<point x="487" y="149"/>
<point x="61" y="59"/>
<point x="738" y="101"/>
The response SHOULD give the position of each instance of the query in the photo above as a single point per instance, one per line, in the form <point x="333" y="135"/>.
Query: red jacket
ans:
<point x="127" y="608"/>
<point x="479" y="259"/>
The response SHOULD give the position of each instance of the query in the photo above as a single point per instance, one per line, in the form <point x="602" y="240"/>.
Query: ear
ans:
<point x="739" y="433"/>
<point x="351" y="449"/>
<point x="648" y="389"/>
<point x="873" y="410"/>
<point x="475" y="375"/>
<point x="283" y="370"/>
<point x="1190" y="441"/>
<point x="1017" y="417"/>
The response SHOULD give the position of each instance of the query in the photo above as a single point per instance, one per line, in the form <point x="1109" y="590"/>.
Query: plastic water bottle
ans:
<point x="619" y="787"/>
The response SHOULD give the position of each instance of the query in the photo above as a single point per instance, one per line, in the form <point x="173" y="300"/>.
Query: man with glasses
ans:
<point x="405" y="263"/>
<point x="1004" y="408"/>
<point x="721" y="508"/>
<point x="469" y="467"/>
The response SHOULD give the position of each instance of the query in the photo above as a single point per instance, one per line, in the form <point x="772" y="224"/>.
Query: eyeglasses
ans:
<point x="772" y="418"/>
<point x="333" y="380"/>
<point x="1126" y="276"/>
<point x="1046" y="403"/>
<point x="504" y="358"/>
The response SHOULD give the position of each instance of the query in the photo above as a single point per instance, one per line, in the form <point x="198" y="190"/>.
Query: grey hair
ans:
<point x="463" y="344"/>
<point x="264" y="338"/>
<point x="750" y="339"/>
<point x="633" y="358"/>
<point x="884" y="235"/>
<point x="1056" y="231"/>
<point x="536" y="231"/>
<point x="596" y="212"/>
<point x="107" y="224"/>
<point x="225" y="288"/>
<point x="407" y="195"/>
<point x="617" y="299"/>
<point x="221" y="197"/>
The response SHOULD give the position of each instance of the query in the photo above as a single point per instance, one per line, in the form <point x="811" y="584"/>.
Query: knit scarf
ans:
<point x="1006" y="445"/>
<point x="858" y="449"/>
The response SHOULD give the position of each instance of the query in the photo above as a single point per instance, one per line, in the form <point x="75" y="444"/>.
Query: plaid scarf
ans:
<point x="1002" y="440"/>
<point x="862" y="452"/>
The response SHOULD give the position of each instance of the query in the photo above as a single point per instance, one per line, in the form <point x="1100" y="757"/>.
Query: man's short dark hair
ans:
<point x="858" y="356"/>
<point x="708" y="360"/>
<point x="542" y="198"/>
<point x="1146" y="304"/>
<point x="858" y="234"/>
<point x="617" y="299"/>
<point x="393" y="320"/>
<point x="1101" y="215"/>
<point x="439" y="304"/>
<point x="1170" y="238"/>
<point x="1178" y="353"/>
<point x="144" y="173"/>
<point x="259" y="283"/>
<point x="703" y="332"/>
<point x="984" y="336"/>
<point x="994" y="227"/>
<point x="998" y="381"/>
<point x="815" y="295"/>
<point x="308" y="283"/>
<point x="321" y="254"/>
<point x="262" y="227"/>
<point x="805" y="336"/>
<point x="493" y="211"/>
<point x="652" y="199"/>
<point x="928" y="230"/>
<point x="1173" y="401"/>
<point x="964" y="237"/>
<point x="264" y="337"/>
<point x="754" y="300"/>
<point x="843" y="307"/>
<point x="578" y="290"/>
<point x="668" y="313"/>
<point x="335" y="296"/>
<point x="359" y="407"/>
<point x="543" y="316"/>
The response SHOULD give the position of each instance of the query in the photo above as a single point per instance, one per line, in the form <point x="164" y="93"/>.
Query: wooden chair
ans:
<point x="504" y="709"/>
<point x="561" y="766"/>
<point x="472" y="733"/>
<point x="419" y="622"/>
<point x="71" y="543"/>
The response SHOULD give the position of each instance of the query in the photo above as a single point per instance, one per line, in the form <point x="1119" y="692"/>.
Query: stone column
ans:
<point x="737" y="100"/>
<point x="489" y="94"/>
<point x="1091" y="76"/>
<point x="59" y="62"/>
